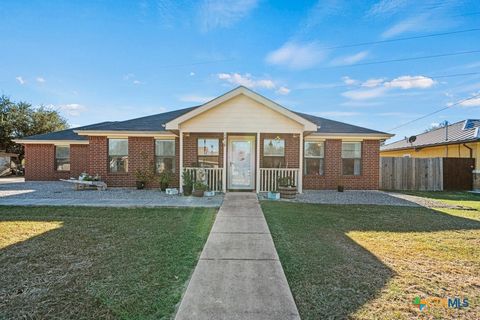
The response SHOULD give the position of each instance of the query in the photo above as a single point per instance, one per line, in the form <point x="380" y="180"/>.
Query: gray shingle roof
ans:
<point x="149" y="123"/>
<point x="332" y="126"/>
<point x="462" y="131"/>
<point x="156" y="123"/>
<point x="67" y="134"/>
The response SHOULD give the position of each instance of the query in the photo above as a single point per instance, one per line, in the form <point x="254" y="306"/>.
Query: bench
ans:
<point x="82" y="185"/>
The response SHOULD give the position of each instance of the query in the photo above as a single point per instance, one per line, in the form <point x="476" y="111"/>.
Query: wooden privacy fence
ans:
<point x="428" y="174"/>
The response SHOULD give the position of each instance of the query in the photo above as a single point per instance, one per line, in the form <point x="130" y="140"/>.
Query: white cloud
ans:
<point x="128" y="76"/>
<point x="20" y="80"/>
<point x="136" y="82"/>
<point x="348" y="80"/>
<point x="351" y="59"/>
<point x="40" y="80"/>
<point x="249" y="81"/>
<point x="73" y="109"/>
<point x="410" y="82"/>
<point x="364" y="94"/>
<point x="408" y="25"/>
<point x="336" y="114"/>
<point x="474" y="102"/>
<point x="195" y="98"/>
<point x="386" y="7"/>
<point x="224" y="13"/>
<point x="283" y="90"/>
<point x="192" y="74"/>
<point x="371" y="83"/>
<point x="297" y="56"/>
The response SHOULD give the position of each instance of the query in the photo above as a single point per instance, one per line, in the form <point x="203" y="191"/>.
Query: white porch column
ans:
<point x="180" y="165"/>
<point x="224" y="172"/>
<point x="257" y="155"/>
<point x="300" y="173"/>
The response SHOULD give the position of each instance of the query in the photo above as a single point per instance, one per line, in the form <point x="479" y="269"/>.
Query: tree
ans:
<point x="21" y="119"/>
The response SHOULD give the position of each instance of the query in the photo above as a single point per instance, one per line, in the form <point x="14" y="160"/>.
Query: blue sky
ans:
<point x="113" y="60"/>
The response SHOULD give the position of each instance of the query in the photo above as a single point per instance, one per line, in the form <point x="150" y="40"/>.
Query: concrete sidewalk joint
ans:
<point x="239" y="275"/>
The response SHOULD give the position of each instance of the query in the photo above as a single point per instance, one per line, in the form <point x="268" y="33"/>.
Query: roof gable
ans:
<point x="175" y="123"/>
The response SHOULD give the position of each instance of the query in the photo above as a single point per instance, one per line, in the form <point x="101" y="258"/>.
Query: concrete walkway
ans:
<point x="239" y="275"/>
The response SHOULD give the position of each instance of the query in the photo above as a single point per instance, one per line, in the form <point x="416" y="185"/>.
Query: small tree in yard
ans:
<point x="21" y="119"/>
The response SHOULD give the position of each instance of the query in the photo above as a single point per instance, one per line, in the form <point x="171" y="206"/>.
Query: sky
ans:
<point x="96" y="61"/>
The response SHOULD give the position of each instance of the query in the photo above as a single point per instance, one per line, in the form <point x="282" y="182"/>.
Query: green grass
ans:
<point x="97" y="263"/>
<point x="369" y="262"/>
<point x="460" y="198"/>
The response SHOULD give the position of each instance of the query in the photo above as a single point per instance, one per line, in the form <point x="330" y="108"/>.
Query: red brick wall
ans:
<point x="40" y="162"/>
<point x="141" y="154"/>
<point x="292" y="148"/>
<point x="369" y="175"/>
<point x="190" y="147"/>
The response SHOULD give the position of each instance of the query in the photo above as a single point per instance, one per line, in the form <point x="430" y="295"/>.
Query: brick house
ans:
<point x="241" y="140"/>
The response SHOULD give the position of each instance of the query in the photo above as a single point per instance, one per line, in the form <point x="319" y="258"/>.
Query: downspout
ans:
<point x="471" y="150"/>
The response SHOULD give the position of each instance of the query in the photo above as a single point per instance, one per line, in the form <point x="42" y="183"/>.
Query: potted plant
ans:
<point x="187" y="183"/>
<point x="199" y="188"/>
<point x="164" y="179"/>
<point x="142" y="176"/>
<point x="287" y="188"/>
<point x="340" y="187"/>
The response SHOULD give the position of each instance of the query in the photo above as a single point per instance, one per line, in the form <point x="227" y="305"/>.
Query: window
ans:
<point x="62" y="158"/>
<point x="314" y="155"/>
<point x="273" y="153"/>
<point x="118" y="155"/>
<point x="351" y="158"/>
<point x="165" y="155"/>
<point x="208" y="152"/>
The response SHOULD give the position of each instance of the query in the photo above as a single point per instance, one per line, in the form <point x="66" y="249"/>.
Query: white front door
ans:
<point x="241" y="162"/>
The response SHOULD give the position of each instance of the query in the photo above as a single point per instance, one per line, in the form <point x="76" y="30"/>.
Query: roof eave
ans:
<point x="432" y="144"/>
<point x="49" y="141"/>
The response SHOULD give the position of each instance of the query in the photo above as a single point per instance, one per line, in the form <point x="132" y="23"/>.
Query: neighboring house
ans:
<point x="6" y="159"/>
<point x="242" y="139"/>
<point x="458" y="140"/>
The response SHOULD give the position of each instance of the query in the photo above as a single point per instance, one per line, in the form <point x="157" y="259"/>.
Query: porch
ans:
<point x="235" y="161"/>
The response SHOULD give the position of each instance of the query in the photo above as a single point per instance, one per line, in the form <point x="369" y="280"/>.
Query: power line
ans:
<point x="327" y="86"/>
<point x="402" y="39"/>
<point x="368" y="63"/>
<point x="435" y="112"/>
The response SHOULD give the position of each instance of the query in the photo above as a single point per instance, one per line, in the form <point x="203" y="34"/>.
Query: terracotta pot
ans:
<point x="287" y="192"/>
<point x="197" y="193"/>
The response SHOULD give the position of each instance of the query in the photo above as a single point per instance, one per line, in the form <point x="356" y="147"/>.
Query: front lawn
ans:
<point x="460" y="198"/>
<point x="370" y="262"/>
<point x="97" y="263"/>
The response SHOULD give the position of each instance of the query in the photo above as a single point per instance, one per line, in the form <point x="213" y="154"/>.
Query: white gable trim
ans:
<point x="175" y="123"/>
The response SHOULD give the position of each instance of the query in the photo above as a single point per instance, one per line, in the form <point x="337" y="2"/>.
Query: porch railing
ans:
<point x="270" y="176"/>
<point x="213" y="177"/>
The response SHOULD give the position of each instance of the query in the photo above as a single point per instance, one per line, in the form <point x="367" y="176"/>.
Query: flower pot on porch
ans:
<point x="198" y="193"/>
<point x="340" y="188"/>
<point x="288" y="192"/>
<point x="163" y="186"/>
<point x="187" y="190"/>
<point x="140" y="185"/>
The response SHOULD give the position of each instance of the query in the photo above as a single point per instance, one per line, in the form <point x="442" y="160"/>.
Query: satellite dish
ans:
<point x="412" y="139"/>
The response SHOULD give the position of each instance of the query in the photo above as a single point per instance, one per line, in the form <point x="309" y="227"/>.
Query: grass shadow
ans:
<point x="100" y="263"/>
<point x="331" y="275"/>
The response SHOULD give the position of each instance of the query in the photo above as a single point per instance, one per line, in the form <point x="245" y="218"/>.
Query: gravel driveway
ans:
<point x="62" y="193"/>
